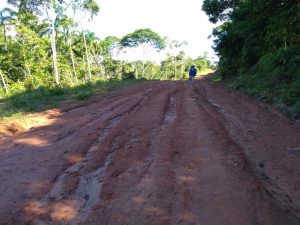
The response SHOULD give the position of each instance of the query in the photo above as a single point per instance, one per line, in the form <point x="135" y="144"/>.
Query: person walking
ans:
<point x="192" y="74"/>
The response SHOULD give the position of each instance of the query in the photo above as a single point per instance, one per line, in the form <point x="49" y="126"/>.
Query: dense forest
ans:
<point x="258" y="43"/>
<point x="44" y="44"/>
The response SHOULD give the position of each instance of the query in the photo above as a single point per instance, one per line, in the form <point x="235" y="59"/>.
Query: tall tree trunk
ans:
<point x="135" y="71"/>
<point x="143" y="60"/>
<point x="4" y="33"/>
<point x="143" y="68"/>
<point x="87" y="56"/>
<point x="73" y="60"/>
<point x="4" y="83"/>
<point x="94" y="57"/>
<point x="83" y="60"/>
<point x="53" y="46"/>
<point x="182" y="68"/>
<point x="27" y="71"/>
<point x="175" y="70"/>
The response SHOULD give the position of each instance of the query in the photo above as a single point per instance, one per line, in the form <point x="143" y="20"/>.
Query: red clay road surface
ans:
<point x="154" y="153"/>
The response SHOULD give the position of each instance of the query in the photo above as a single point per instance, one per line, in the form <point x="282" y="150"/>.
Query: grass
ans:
<point x="24" y="101"/>
<point x="215" y="77"/>
<point x="285" y="96"/>
<point x="274" y="79"/>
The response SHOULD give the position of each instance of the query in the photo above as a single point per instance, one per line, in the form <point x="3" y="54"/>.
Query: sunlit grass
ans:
<point x="284" y="96"/>
<point x="16" y="105"/>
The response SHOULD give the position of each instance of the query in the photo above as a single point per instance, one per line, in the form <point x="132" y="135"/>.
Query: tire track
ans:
<point x="86" y="193"/>
<point x="160" y="154"/>
<point x="278" y="198"/>
<point x="88" y="186"/>
<point x="131" y="176"/>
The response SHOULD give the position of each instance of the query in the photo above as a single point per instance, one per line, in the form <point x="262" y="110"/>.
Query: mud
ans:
<point x="154" y="153"/>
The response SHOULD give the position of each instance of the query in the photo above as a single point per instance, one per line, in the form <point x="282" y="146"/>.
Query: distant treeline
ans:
<point x="40" y="46"/>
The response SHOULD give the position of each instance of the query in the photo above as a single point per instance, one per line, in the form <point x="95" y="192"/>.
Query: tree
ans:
<point x="181" y="58"/>
<point x="66" y="26"/>
<point x="146" y="38"/>
<point x="167" y="67"/>
<point x="7" y="15"/>
<point x="109" y="44"/>
<point x="4" y="83"/>
<point x="86" y="7"/>
<point x="53" y="10"/>
<point x="219" y="9"/>
<point x="93" y="50"/>
<point x="109" y="47"/>
<point x="173" y="50"/>
<point x="52" y="17"/>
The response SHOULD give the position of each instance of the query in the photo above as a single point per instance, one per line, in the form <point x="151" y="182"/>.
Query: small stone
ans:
<point x="294" y="149"/>
<point x="261" y="164"/>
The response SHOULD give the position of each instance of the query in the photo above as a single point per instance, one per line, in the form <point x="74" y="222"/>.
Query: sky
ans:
<point x="181" y="20"/>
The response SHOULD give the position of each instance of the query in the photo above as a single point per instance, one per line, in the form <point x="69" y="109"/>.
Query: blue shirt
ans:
<point x="193" y="71"/>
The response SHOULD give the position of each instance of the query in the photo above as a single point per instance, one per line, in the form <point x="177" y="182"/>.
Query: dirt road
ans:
<point x="156" y="153"/>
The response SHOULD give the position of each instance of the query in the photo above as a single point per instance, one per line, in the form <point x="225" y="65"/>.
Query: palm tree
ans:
<point x="91" y="43"/>
<point x="67" y="27"/>
<point x="86" y="53"/>
<point x="3" y="82"/>
<point x="6" y="16"/>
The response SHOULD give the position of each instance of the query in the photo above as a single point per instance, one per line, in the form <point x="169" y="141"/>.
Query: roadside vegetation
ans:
<point x="258" y="43"/>
<point x="46" y="56"/>
<point x="24" y="101"/>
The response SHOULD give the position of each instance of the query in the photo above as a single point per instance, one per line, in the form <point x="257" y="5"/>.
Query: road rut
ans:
<point x="159" y="152"/>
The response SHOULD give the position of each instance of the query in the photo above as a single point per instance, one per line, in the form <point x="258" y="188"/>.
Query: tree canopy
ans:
<point x="143" y="36"/>
<point x="218" y="9"/>
<point x="147" y="39"/>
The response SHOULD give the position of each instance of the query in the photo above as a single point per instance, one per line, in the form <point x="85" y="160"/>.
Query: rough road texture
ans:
<point x="156" y="153"/>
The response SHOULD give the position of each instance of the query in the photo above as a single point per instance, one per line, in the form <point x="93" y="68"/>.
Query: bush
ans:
<point x="274" y="79"/>
<point x="84" y="95"/>
<point x="21" y="100"/>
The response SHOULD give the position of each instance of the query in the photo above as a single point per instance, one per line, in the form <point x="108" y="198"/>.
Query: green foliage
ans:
<point x="84" y="96"/>
<point x="275" y="78"/>
<point x="143" y="36"/>
<point x="128" y="70"/>
<point x="21" y="100"/>
<point x="146" y="38"/>
<point x="91" y="6"/>
<point x="108" y="45"/>
<point x="6" y="14"/>
<point x="259" y="47"/>
<point x="177" y="67"/>
<point x="218" y="9"/>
